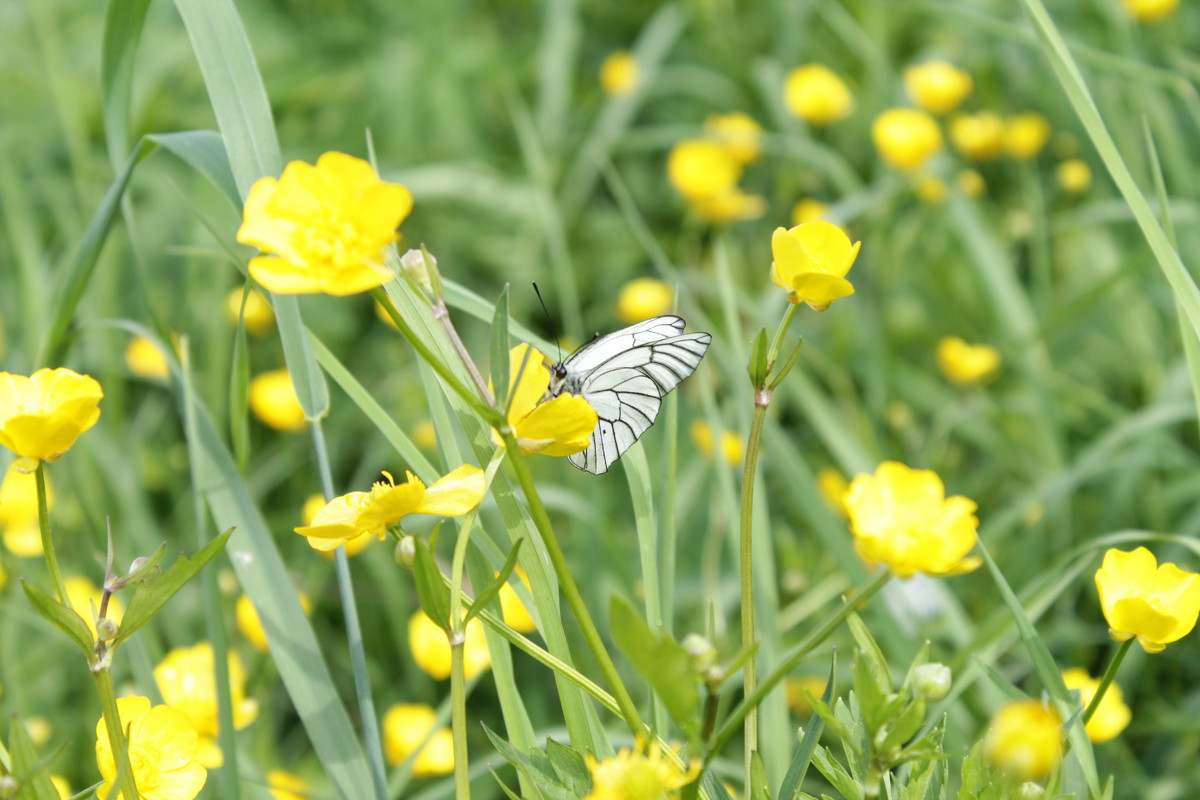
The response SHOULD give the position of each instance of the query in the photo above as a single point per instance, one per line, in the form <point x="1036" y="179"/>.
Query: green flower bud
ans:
<point x="106" y="629"/>
<point x="703" y="653"/>
<point x="405" y="552"/>
<point x="932" y="681"/>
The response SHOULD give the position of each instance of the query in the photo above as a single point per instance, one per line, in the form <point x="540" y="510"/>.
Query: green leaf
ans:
<point x="903" y="727"/>
<point x="536" y="766"/>
<point x="431" y="589"/>
<point x="836" y="774"/>
<point x="808" y="741"/>
<point x="792" y="358"/>
<point x="239" y="388"/>
<point x="123" y="22"/>
<point x="31" y="772"/>
<point x="760" y="786"/>
<point x="713" y="787"/>
<point x="758" y="367"/>
<point x="570" y="767"/>
<point x="151" y="595"/>
<point x="203" y="151"/>
<point x="492" y="589"/>
<point x="64" y="617"/>
<point x="500" y="350"/>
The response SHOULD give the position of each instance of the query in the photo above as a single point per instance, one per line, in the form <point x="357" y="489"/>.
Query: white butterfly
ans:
<point x="624" y="376"/>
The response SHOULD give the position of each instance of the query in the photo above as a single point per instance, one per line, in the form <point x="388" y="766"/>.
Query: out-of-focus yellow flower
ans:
<point x="19" y="512"/>
<point x="512" y="608"/>
<point x="324" y="228"/>
<point x="811" y="262"/>
<point x="731" y="206"/>
<point x="701" y="169"/>
<point x="817" y="95"/>
<point x="971" y="183"/>
<point x="832" y="485"/>
<point x="38" y="728"/>
<point x="937" y="86"/>
<point x="283" y="785"/>
<point x="643" y="298"/>
<point x="250" y="624"/>
<point x="425" y="435"/>
<point x="740" y="133"/>
<point x="3" y="583"/>
<point x="557" y="427"/>
<point x="258" y="318"/>
<point x="1074" y="176"/>
<point x="84" y="597"/>
<point x="162" y="752"/>
<point x="273" y="401"/>
<point x="979" y="137"/>
<point x="1151" y="10"/>
<point x="144" y="359"/>
<point x="1026" y="134"/>
<point x="356" y="514"/>
<point x="732" y="447"/>
<point x="1112" y="715"/>
<point x="796" y="699"/>
<point x="619" y="73"/>
<point x="806" y="209"/>
<point x="431" y="650"/>
<point x="901" y="517"/>
<point x="42" y="415"/>
<point x="967" y="364"/>
<point x="1157" y="604"/>
<point x="406" y="726"/>
<point x="905" y="137"/>
<point x="1024" y="740"/>
<point x="930" y="189"/>
<point x="62" y="787"/>
<point x="384" y="317"/>
<point x="632" y="775"/>
<point x="187" y="683"/>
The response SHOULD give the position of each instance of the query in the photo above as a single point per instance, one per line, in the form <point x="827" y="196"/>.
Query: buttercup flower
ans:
<point x="1026" y="134"/>
<point x="906" y="138"/>
<point x="1024" y="740"/>
<point x="512" y="608"/>
<point x="937" y="86"/>
<point x="1074" y="176"/>
<point x="1156" y="603"/>
<point x="732" y="448"/>
<point x="283" y="785"/>
<point x="1150" y="10"/>
<point x="619" y="73"/>
<point x="62" y="787"/>
<point x="249" y="624"/>
<point x="1112" y="715"/>
<point x="930" y="189"/>
<point x="558" y="427"/>
<point x="406" y="726"/>
<point x="901" y="517"/>
<point x="431" y="649"/>
<point x="643" y="298"/>
<point x="162" y="752"/>
<point x="258" y="317"/>
<point x="349" y="516"/>
<point x="632" y="775"/>
<point x="811" y="262"/>
<point x="979" y="137"/>
<point x="797" y="700"/>
<point x="738" y="132"/>
<point x="42" y="415"/>
<point x="84" y="598"/>
<point x="144" y="359"/>
<point x="970" y="183"/>
<point x="701" y="169"/>
<point x="966" y="364"/>
<point x="185" y="679"/>
<point x="274" y="402"/>
<point x="19" y="512"/>
<point x="817" y="95"/>
<point x="324" y="228"/>
<point x="312" y="505"/>
<point x="832" y="485"/>
<point x="806" y="209"/>
<point x="730" y="206"/>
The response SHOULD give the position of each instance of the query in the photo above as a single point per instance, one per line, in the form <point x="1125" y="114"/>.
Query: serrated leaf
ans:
<point x="836" y="774"/>
<point x="500" y="386"/>
<point x="492" y="589"/>
<point x="431" y="589"/>
<point x="63" y="617"/>
<point x="150" y="596"/>
<point x="30" y="771"/>
<point x="570" y="767"/>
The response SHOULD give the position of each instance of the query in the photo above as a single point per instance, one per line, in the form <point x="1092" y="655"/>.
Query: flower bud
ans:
<point x="406" y="551"/>
<point x="137" y="564"/>
<point x="8" y="787"/>
<point x="932" y="681"/>
<point x="1031" y="791"/>
<point x="106" y="629"/>
<point x="417" y="268"/>
<point x="702" y="652"/>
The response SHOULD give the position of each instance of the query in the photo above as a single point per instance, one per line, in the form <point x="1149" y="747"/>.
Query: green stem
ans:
<point x="47" y="542"/>
<point x="762" y="399"/>
<point x="780" y="332"/>
<point x="116" y="731"/>
<point x="1109" y="674"/>
<point x="558" y="560"/>
<point x="458" y="716"/>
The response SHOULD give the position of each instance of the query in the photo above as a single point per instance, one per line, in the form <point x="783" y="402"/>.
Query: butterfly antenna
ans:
<point x="549" y="321"/>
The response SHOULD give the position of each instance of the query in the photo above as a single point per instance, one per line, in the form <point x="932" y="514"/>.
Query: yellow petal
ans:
<point x="558" y="427"/>
<point x="455" y="494"/>
<point x="534" y="380"/>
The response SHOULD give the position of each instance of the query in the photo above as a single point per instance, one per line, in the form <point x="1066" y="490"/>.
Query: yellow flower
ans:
<point x="644" y="298"/>
<point x="794" y="688"/>
<point x="619" y="73"/>
<point x="738" y="132"/>
<point x="630" y="775"/>
<point x="700" y="169"/>
<point x="906" y="138"/>
<point x="979" y="137"/>
<point x="250" y="624"/>
<point x="312" y="505"/>
<point x="971" y="183"/>
<point x="901" y="517"/>
<point x="19" y="512"/>
<point x="406" y="726"/>
<point x="162" y="752"/>
<point x="283" y="785"/>
<point x="930" y="189"/>
<point x="1026" y="134"/>
<point x="41" y="416"/>
<point x="806" y="209"/>
<point x="811" y="262"/>
<point x="966" y="364"/>
<point x="832" y="485"/>
<point x="258" y="317"/>
<point x="731" y="206"/>
<point x="937" y="86"/>
<point x="516" y="615"/>
<point x="1074" y="176"/>
<point x="557" y="427"/>
<point x="817" y="95"/>
<point x="356" y="514"/>
<point x="425" y="435"/>
<point x="1112" y="715"/>
<point x="62" y="787"/>
<point x="1150" y="10"/>
<point x="187" y="683"/>
<point x="1157" y="604"/>
<point x="273" y="401"/>
<point x="732" y="448"/>
<point x="431" y="649"/>
<point x="39" y="729"/>
<point x="325" y="228"/>
<point x="144" y="359"/>
<point x="84" y="597"/>
<point x="1024" y="739"/>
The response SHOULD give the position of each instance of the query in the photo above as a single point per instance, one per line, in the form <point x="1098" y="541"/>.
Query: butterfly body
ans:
<point x="624" y="377"/>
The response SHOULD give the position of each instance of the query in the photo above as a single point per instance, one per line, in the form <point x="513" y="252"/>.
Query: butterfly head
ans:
<point x="558" y="377"/>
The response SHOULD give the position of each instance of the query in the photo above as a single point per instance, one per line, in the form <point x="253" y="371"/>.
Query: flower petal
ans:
<point x="558" y="427"/>
<point x="455" y="494"/>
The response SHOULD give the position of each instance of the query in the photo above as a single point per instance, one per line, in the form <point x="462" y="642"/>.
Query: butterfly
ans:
<point x="624" y="376"/>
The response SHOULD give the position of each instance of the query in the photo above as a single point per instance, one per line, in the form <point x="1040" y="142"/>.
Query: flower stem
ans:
<point x="48" y="543"/>
<point x="116" y="731"/>
<point x="1110" y="673"/>
<point x="746" y="569"/>
<point x="458" y="717"/>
